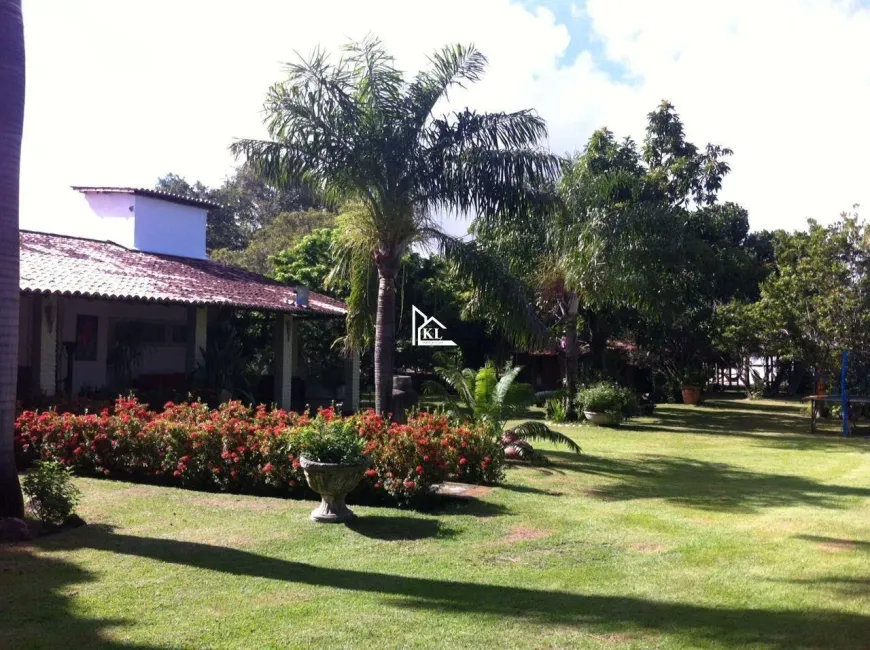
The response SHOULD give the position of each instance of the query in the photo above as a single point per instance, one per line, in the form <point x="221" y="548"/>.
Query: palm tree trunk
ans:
<point x="385" y="338"/>
<point x="571" y="354"/>
<point x="11" y="123"/>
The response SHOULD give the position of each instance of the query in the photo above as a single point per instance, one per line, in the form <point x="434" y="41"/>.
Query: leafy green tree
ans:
<point x="653" y="244"/>
<point x="491" y="400"/>
<point x="280" y="234"/>
<point x="358" y="131"/>
<point x="308" y="261"/>
<point x="816" y="302"/>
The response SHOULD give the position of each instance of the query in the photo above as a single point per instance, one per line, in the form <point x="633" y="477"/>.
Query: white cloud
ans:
<point x="122" y="92"/>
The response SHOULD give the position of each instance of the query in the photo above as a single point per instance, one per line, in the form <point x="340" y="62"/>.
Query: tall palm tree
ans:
<point x="541" y="253"/>
<point x="358" y="130"/>
<point x="11" y="124"/>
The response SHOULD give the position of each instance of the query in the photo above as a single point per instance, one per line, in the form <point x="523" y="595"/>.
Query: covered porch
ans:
<point x="98" y="318"/>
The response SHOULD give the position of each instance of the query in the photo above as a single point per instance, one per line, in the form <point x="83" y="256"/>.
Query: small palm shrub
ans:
<point x="326" y="440"/>
<point x="51" y="495"/>
<point x="490" y="399"/>
<point x="604" y="397"/>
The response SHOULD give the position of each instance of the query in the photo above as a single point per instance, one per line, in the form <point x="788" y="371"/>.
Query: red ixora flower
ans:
<point x="409" y="484"/>
<point x="267" y="468"/>
<point x="371" y="473"/>
<point x="463" y="460"/>
<point x="420" y="469"/>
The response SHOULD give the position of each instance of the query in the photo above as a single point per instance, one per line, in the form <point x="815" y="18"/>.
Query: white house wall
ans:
<point x="169" y="228"/>
<point x="106" y="217"/>
<point x="164" y="359"/>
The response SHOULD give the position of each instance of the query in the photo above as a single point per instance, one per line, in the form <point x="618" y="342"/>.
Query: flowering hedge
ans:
<point x="249" y="450"/>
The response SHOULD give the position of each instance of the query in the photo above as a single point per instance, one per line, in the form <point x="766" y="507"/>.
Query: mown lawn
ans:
<point x="725" y="526"/>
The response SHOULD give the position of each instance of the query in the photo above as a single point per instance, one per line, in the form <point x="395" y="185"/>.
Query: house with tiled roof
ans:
<point x="135" y="265"/>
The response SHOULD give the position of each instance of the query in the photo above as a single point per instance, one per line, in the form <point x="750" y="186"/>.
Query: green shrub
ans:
<point x="605" y="397"/>
<point x="51" y="494"/>
<point x="327" y="440"/>
<point x="555" y="410"/>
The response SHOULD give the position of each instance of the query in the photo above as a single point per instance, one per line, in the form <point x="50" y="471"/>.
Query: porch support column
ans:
<point x="197" y="329"/>
<point x="44" y="344"/>
<point x="351" y="383"/>
<point x="285" y="335"/>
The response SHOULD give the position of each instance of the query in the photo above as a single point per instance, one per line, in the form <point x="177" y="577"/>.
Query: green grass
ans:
<point x="725" y="526"/>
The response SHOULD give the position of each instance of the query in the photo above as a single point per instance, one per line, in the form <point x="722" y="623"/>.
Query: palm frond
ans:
<point x="452" y="65"/>
<point x="502" y="388"/>
<point x="499" y="184"/>
<point x="484" y="389"/>
<point x="437" y="391"/>
<point x="495" y="291"/>
<point x="355" y="268"/>
<point x="539" y="431"/>
<point x="461" y="380"/>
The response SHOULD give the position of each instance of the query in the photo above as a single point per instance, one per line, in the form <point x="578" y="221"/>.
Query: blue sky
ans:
<point x="123" y="92"/>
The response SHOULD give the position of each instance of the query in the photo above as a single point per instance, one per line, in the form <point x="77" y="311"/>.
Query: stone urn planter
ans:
<point x="333" y="482"/>
<point x="601" y="419"/>
<point x="692" y="395"/>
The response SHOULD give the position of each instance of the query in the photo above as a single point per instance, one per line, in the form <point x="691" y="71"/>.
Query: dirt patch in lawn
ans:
<point x="649" y="548"/>
<point x="837" y="546"/>
<point x="524" y="533"/>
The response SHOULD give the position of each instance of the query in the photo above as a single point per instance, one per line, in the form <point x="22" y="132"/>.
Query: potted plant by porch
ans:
<point x="331" y="454"/>
<point x="605" y="404"/>
<point x="692" y="383"/>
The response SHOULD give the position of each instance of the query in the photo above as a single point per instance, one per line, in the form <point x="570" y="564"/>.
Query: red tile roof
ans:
<point x="70" y="266"/>
<point x="154" y="194"/>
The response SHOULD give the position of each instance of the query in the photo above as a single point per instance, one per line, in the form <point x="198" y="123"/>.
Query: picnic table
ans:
<point x="818" y="400"/>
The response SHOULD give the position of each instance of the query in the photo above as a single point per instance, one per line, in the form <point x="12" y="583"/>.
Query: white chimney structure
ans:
<point x="146" y="220"/>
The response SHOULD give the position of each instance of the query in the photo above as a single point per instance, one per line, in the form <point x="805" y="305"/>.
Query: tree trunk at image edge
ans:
<point x="11" y="122"/>
<point x="385" y="340"/>
<point x="571" y="354"/>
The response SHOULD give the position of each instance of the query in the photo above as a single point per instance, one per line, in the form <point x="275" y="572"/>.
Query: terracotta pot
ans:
<point x="332" y="482"/>
<point x="692" y="395"/>
<point x="601" y="419"/>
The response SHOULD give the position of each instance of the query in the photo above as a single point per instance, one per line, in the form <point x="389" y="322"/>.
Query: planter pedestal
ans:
<point x="332" y="482"/>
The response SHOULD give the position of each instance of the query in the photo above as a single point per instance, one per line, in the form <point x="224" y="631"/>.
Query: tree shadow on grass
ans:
<point x="727" y="627"/>
<point x="399" y="528"/>
<point x="467" y="506"/>
<point x="37" y="604"/>
<point x="711" y="486"/>
<point x="776" y="431"/>
<point x="841" y="585"/>
<point x="836" y="542"/>
<point x="528" y="489"/>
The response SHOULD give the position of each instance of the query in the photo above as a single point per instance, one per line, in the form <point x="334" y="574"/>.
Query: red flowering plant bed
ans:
<point x="235" y="448"/>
